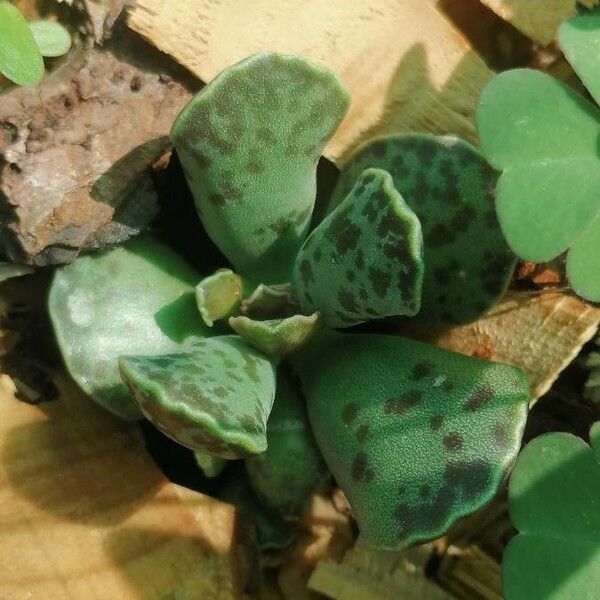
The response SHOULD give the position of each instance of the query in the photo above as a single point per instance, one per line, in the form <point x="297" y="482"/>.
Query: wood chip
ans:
<point x="406" y="68"/>
<point x="86" y="513"/>
<point x="541" y="333"/>
<point x="538" y="19"/>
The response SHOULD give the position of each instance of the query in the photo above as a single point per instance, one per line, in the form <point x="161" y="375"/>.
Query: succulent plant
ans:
<point x="544" y="137"/>
<point x="592" y="385"/>
<point x="554" y="501"/>
<point x="22" y="45"/>
<point x="416" y="436"/>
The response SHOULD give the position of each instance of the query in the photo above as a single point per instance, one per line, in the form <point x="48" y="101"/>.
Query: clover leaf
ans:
<point x="554" y="501"/>
<point x="450" y="187"/>
<point x="544" y="136"/>
<point x="20" y="57"/>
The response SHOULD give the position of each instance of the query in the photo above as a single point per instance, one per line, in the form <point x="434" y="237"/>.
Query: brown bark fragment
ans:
<point x="75" y="151"/>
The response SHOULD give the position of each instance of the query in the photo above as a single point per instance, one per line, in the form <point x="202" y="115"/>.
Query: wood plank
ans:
<point x="405" y="66"/>
<point x="541" y="333"/>
<point x="85" y="513"/>
<point x="538" y="19"/>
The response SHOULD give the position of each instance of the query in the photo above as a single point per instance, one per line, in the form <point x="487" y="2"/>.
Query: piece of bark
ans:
<point x="538" y="19"/>
<point x="87" y="514"/>
<point x="538" y="332"/>
<point x="75" y="152"/>
<point x="403" y="63"/>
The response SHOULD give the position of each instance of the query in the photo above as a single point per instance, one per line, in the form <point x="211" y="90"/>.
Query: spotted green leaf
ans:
<point x="215" y="399"/>
<point x="364" y="260"/>
<point x="219" y="295"/>
<point x="273" y="532"/>
<point x="276" y="337"/>
<point x="579" y="39"/>
<point x="249" y="143"/>
<point x="51" y="37"/>
<point x="20" y="58"/>
<point x="284" y="476"/>
<point x="545" y="138"/>
<point x="450" y="187"/>
<point x="554" y="501"/>
<point x="416" y="436"/>
<point x="211" y="466"/>
<point x="137" y="298"/>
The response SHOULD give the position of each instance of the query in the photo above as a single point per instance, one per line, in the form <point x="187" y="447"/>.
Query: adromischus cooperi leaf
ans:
<point x="276" y="337"/>
<point x="135" y="299"/>
<point x="450" y="187"/>
<point x="416" y="436"/>
<point x="215" y="399"/>
<point x="291" y="468"/>
<point x="249" y="143"/>
<point x="365" y="259"/>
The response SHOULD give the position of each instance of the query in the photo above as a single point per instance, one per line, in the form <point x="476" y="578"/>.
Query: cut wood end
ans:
<point x="539" y="333"/>
<point x="405" y="66"/>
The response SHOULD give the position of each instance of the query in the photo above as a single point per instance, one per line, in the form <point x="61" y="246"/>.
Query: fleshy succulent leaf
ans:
<point x="214" y="399"/>
<point x="554" y="502"/>
<point x="284" y="476"/>
<point x="137" y="298"/>
<point x="579" y="39"/>
<point x="276" y="337"/>
<point x="219" y="295"/>
<point x="20" y="58"/>
<point x="545" y="138"/>
<point x="211" y="466"/>
<point x="273" y="532"/>
<point x="365" y="259"/>
<point x="270" y="301"/>
<point x="249" y="143"/>
<point x="416" y="436"/>
<point x="52" y="38"/>
<point x="450" y="187"/>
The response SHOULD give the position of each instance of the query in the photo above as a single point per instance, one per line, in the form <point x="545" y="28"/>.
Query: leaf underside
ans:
<point x="417" y="437"/>
<point x="135" y="299"/>
<point x="554" y="501"/>
<point x="364" y="260"/>
<point x="215" y="399"/>
<point x="249" y="143"/>
<point x="450" y="187"/>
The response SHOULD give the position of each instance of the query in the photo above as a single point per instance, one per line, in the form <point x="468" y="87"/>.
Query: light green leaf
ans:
<point x="545" y="137"/>
<point x="20" y="58"/>
<point x="249" y="143"/>
<point x="219" y="295"/>
<point x="416" y="436"/>
<point x="276" y="337"/>
<point x="365" y="259"/>
<point x="214" y="399"/>
<point x="51" y="37"/>
<point x="554" y="501"/>
<point x="10" y="270"/>
<point x="579" y="39"/>
<point x="211" y="466"/>
<point x="450" y="187"/>
<point x="284" y="476"/>
<point x="137" y="298"/>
